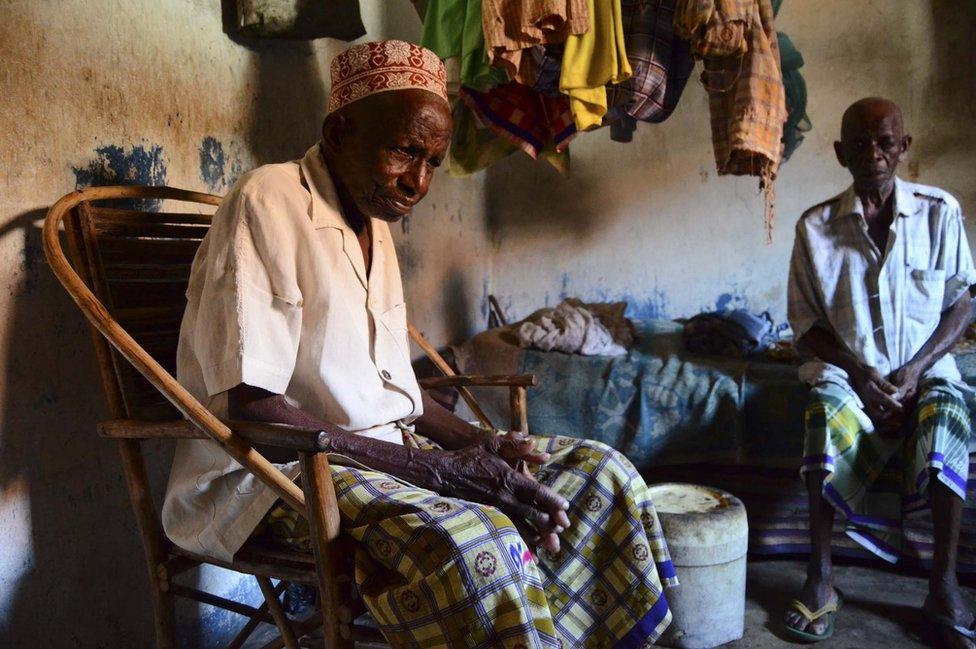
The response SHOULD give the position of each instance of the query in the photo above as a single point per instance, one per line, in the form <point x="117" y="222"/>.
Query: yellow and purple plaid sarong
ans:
<point x="875" y="481"/>
<point x="444" y="572"/>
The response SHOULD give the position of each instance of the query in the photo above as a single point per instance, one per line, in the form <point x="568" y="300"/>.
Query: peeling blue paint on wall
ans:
<point x="652" y="306"/>
<point x="728" y="302"/>
<point x="212" y="163"/>
<point x="115" y="165"/>
<point x="220" y="167"/>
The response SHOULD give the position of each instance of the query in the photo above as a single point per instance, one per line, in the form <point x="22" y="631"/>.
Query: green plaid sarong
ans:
<point x="876" y="481"/>
<point x="444" y="572"/>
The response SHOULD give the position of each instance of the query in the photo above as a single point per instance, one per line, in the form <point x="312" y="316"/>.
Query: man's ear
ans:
<point x="334" y="129"/>
<point x="906" y="142"/>
<point x="839" y="152"/>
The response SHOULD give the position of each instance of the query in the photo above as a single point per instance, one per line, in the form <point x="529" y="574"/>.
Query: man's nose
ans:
<point x="415" y="179"/>
<point x="874" y="151"/>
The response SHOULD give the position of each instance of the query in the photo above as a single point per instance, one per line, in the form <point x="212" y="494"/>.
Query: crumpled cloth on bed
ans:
<point x="736" y="333"/>
<point x="598" y="329"/>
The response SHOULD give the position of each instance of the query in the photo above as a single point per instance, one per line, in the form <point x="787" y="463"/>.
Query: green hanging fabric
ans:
<point x="452" y="28"/>
<point x="797" y="121"/>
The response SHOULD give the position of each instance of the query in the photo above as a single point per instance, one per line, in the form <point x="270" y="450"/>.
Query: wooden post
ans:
<point x="323" y="524"/>
<point x="517" y="401"/>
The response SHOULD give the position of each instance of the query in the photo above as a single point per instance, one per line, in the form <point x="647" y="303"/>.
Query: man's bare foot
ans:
<point x="817" y="592"/>
<point x="946" y="600"/>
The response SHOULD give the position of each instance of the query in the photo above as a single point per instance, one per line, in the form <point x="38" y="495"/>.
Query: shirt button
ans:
<point x="385" y="375"/>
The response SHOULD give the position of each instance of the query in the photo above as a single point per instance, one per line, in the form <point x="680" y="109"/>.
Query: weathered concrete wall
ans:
<point x="650" y="222"/>
<point x="154" y="92"/>
<point x="157" y="92"/>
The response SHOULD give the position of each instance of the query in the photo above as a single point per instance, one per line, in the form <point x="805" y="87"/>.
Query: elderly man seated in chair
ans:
<point x="296" y="316"/>
<point x="880" y="290"/>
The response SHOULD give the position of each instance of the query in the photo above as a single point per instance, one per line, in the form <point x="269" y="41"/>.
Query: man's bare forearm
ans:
<point x="254" y="404"/>
<point x="444" y="427"/>
<point x="952" y="325"/>
<point x="827" y="348"/>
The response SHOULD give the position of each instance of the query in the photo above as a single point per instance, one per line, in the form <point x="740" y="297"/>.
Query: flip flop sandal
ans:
<point x="828" y="611"/>
<point x="948" y="623"/>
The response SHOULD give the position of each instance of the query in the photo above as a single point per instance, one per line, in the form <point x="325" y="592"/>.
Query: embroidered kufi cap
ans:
<point x="371" y="68"/>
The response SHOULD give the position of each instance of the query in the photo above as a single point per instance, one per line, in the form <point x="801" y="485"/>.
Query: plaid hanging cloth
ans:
<point x="525" y="117"/>
<point x="737" y="42"/>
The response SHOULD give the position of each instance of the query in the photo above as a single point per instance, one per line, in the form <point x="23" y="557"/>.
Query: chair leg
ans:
<point x="253" y="623"/>
<point x="323" y="523"/>
<point x="152" y="541"/>
<point x="277" y="612"/>
<point x="164" y="615"/>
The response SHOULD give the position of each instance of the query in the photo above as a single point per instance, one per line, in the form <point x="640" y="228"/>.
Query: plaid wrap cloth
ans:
<point x="512" y="26"/>
<point x="877" y="482"/>
<point x="444" y="572"/>
<point x="737" y="41"/>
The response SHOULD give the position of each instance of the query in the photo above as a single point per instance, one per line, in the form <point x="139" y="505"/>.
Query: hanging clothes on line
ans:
<point x="661" y="64"/>
<point x="526" y="118"/>
<point x="473" y="146"/>
<point x="737" y="42"/>
<point x="797" y="121"/>
<point x="548" y="63"/>
<point x="591" y="61"/>
<point x="513" y="26"/>
<point x="452" y="28"/>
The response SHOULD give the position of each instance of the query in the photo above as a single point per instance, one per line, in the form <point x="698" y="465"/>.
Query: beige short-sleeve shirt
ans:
<point x="279" y="299"/>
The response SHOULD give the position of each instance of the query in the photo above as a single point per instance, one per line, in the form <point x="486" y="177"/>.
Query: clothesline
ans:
<point x="531" y="75"/>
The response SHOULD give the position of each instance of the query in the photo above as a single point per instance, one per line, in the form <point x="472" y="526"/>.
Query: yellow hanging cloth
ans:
<point x="591" y="61"/>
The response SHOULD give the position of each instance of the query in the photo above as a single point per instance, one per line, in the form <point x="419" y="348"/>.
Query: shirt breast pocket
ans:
<point x="924" y="293"/>
<point x="395" y="318"/>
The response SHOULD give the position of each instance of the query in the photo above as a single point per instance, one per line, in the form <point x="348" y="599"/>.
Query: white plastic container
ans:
<point x="708" y="535"/>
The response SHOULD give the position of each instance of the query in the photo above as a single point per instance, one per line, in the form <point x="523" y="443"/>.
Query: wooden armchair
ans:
<point x="128" y="275"/>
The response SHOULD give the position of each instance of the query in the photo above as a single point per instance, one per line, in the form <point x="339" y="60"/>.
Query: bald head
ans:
<point x="869" y="110"/>
<point x="872" y="142"/>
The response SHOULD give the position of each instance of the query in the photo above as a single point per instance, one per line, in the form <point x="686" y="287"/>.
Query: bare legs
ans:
<point x="818" y="590"/>
<point x="944" y="595"/>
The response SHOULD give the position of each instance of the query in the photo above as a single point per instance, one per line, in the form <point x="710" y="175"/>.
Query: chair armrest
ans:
<point x="309" y="440"/>
<point x="462" y="380"/>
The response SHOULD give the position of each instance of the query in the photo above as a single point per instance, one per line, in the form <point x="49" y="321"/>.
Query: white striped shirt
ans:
<point x="883" y="305"/>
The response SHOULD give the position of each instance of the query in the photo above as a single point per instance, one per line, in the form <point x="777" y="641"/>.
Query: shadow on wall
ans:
<point x="73" y="540"/>
<point x="529" y="198"/>
<point x="289" y="91"/>
<point x="950" y="92"/>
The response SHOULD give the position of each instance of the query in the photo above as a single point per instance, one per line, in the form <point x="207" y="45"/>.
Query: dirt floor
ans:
<point x="881" y="608"/>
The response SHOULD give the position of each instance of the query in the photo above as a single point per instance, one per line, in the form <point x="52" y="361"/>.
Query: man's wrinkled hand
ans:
<point x="880" y="400"/>
<point x="905" y="380"/>
<point x="482" y="473"/>
<point x="516" y="448"/>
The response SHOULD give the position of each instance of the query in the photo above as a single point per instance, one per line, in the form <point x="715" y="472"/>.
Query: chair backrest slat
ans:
<point x="138" y="265"/>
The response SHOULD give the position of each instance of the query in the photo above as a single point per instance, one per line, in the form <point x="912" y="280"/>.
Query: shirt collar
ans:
<point x="326" y="211"/>
<point x="905" y="202"/>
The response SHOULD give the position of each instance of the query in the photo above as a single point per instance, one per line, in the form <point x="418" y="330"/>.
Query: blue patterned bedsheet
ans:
<point x="661" y="405"/>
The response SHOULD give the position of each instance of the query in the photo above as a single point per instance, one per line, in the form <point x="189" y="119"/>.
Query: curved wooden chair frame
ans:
<point x="315" y="498"/>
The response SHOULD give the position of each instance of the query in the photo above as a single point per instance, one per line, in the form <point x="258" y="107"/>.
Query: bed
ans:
<point x="730" y="423"/>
